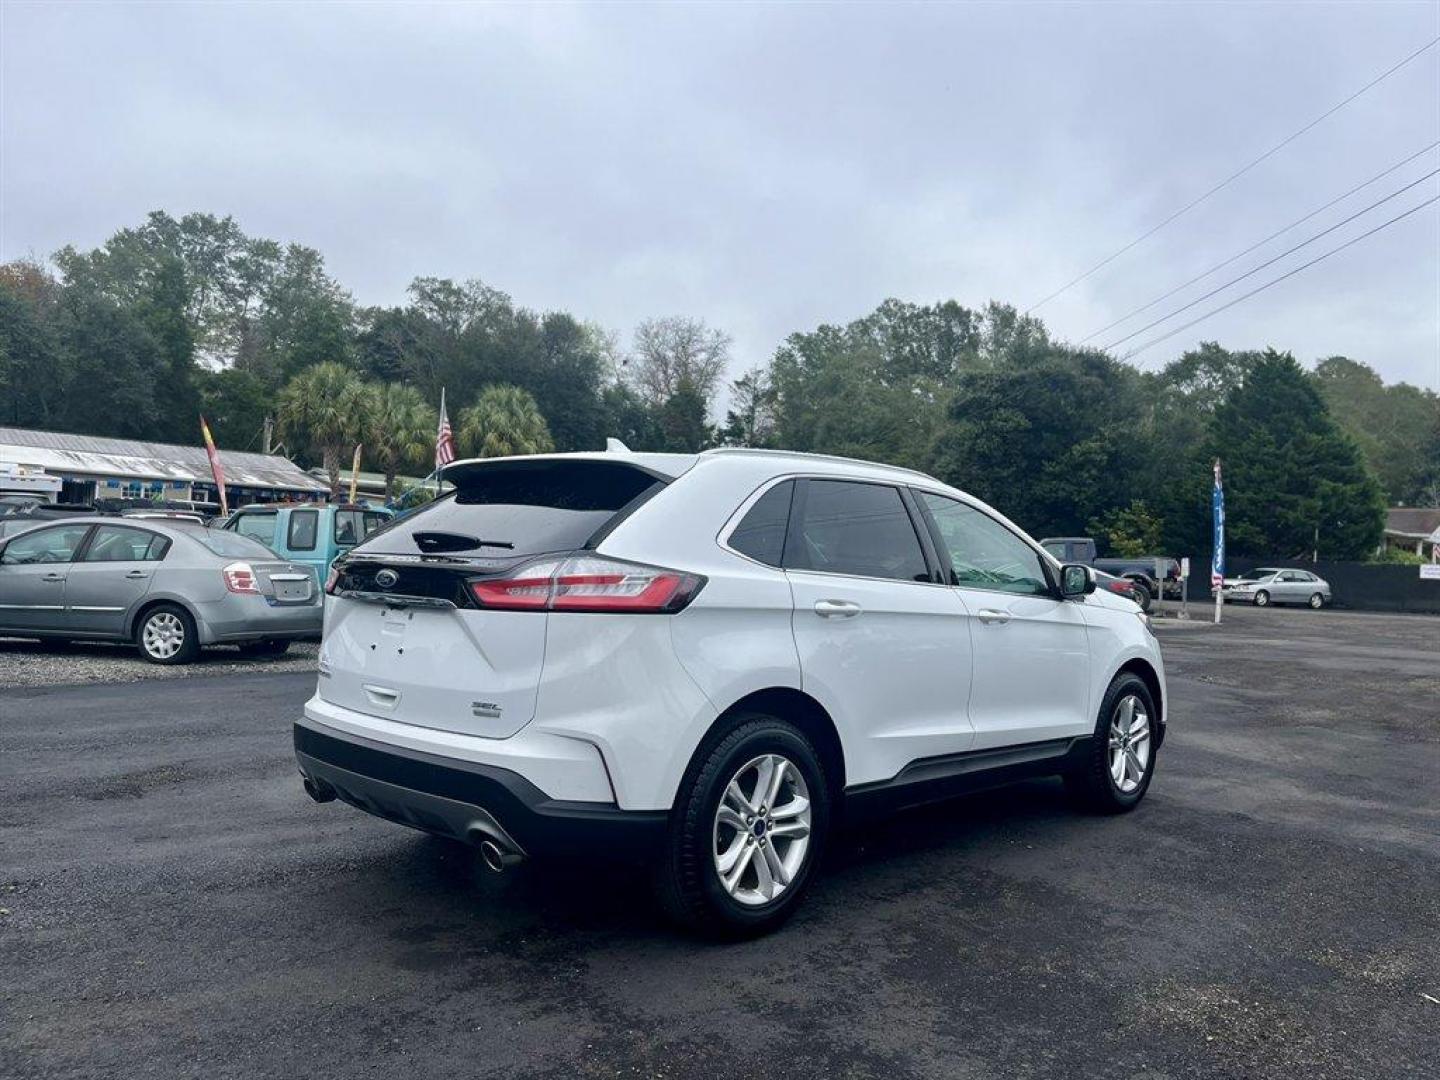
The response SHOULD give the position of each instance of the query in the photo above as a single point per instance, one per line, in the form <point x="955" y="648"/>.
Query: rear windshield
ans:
<point x="231" y="544"/>
<point x="525" y="508"/>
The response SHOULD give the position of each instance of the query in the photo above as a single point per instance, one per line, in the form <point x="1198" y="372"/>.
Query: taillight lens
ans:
<point x="331" y="581"/>
<point x="588" y="583"/>
<point x="240" y="578"/>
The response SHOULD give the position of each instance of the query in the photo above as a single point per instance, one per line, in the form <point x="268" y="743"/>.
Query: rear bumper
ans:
<point x="467" y="800"/>
<point x="241" y="618"/>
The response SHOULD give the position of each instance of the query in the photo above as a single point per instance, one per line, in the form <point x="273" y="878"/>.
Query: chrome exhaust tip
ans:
<point x="496" y="858"/>
<point x="319" y="791"/>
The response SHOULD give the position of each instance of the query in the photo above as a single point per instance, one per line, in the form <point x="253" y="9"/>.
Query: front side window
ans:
<point x="761" y="533"/>
<point x="257" y="526"/>
<point x="847" y="527"/>
<point x="303" y="526"/>
<point x="53" y="545"/>
<point x="116" y="543"/>
<point x="983" y="553"/>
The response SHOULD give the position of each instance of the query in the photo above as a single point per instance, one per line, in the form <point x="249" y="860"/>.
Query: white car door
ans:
<point x="883" y="645"/>
<point x="1031" y="649"/>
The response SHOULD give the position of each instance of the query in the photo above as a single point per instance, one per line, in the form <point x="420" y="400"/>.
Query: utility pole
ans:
<point x="269" y="432"/>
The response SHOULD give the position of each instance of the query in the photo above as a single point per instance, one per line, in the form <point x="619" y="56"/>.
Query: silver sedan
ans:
<point x="167" y="586"/>
<point x="1276" y="585"/>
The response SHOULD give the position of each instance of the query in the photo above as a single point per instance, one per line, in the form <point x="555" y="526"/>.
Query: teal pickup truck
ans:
<point x="310" y="533"/>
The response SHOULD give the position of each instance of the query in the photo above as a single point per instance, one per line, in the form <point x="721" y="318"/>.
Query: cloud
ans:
<point x="765" y="167"/>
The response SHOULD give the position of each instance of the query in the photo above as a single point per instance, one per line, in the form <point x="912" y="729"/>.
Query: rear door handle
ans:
<point x="138" y="574"/>
<point x="990" y="617"/>
<point x="836" y="609"/>
<point x="53" y="577"/>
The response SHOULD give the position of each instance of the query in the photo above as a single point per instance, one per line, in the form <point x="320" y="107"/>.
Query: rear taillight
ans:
<point x="240" y="578"/>
<point x="331" y="581"/>
<point x="588" y="583"/>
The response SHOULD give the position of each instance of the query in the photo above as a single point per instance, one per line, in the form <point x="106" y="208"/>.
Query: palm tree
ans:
<point x="402" y="429"/>
<point x="504" y="420"/>
<point x="324" y="409"/>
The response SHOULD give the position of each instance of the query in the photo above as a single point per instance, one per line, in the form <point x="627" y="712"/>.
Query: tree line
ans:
<point x="182" y="315"/>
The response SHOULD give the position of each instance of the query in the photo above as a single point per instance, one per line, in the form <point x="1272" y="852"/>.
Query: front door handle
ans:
<point x="138" y="574"/>
<point x="836" y="609"/>
<point x="53" y="577"/>
<point x="992" y="617"/>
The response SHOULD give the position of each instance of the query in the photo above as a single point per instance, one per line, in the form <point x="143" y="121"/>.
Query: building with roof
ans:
<point x="90" y="468"/>
<point x="1414" y="529"/>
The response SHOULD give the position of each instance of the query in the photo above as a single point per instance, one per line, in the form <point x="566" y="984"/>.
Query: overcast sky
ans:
<point x="765" y="167"/>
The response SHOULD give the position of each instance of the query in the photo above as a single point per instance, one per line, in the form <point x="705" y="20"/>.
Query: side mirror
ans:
<point x="1076" y="579"/>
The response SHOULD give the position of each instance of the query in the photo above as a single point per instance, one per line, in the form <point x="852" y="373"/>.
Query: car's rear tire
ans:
<point x="1317" y="601"/>
<point x="166" y="635"/>
<point x="1262" y="599"/>
<point x="1117" y="771"/>
<point x="735" y="864"/>
<point x="266" y="647"/>
<point x="1142" y="595"/>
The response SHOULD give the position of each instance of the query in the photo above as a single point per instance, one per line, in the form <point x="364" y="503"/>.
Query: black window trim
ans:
<point x="1047" y="566"/>
<point x="290" y="544"/>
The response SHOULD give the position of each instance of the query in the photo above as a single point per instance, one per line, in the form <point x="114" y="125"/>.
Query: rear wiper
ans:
<point x="436" y="542"/>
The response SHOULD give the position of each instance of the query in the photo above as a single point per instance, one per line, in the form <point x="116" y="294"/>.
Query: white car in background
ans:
<point x="1267" y="585"/>
<point x="702" y="662"/>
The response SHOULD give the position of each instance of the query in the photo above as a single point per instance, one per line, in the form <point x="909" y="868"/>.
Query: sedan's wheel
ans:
<point x="1317" y="601"/>
<point x="1121" y="761"/>
<point x="1262" y="598"/>
<point x="166" y="635"/>
<point x="1142" y="595"/>
<point x="747" y="830"/>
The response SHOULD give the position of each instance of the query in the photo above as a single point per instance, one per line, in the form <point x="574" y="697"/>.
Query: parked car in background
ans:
<point x="17" y="517"/>
<point x="1140" y="571"/>
<point x="310" y="533"/>
<point x="1277" y="585"/>
<point x="694" y="664"/>
<point x="1125" y="587"/>
<point x="170" y="587"/>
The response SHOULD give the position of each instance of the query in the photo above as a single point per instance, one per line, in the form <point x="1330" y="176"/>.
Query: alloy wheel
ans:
<point x="1129" y="743"/>
<point x="164" y="635"/>
<point x="1317" y="601"/>
<point x="761" y="835"/>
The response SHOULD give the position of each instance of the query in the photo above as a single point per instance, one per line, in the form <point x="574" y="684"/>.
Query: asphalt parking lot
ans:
<point x="171" y="904"/>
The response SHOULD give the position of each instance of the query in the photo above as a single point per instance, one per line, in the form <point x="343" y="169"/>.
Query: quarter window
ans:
<point x="303" y="526"/>
<point x="761" y="533"/>
<point x="847" y="527"/>
<point x="983" y="553"/>
<point x="55" y="545"/>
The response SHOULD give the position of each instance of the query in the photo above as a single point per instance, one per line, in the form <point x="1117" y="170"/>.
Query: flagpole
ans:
<point x="1217" y="558"/>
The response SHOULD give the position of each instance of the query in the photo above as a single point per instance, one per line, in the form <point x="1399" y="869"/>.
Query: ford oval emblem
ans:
<point x="386" y="578"/>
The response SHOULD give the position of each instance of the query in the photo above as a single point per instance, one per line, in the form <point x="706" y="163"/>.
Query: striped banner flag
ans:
<point x="444" y="438"/>
<point x="215" y="469"/>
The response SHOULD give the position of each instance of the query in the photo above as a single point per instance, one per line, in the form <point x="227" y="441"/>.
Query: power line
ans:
<point x="1270" y="262"/>
<point x="1258" y="243"/>
<point x="1276" y="281"/>
<point x="1234" y="176"/>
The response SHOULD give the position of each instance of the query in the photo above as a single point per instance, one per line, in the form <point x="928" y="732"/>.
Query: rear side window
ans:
<point x="116" y="543"/>
<point x="848" y="527"/>
<point x="303" y="526"/>
<point x="761" y="533"/>
<point x="524" y="508"/>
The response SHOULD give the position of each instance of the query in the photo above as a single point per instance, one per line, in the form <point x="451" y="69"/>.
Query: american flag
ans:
<point x="444" y="439"/>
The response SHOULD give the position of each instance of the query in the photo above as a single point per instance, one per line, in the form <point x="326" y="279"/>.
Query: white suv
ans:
<point x="704" y="661"/>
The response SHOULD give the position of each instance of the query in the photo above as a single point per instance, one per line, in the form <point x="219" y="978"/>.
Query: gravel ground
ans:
<point x="34" y="663"/>
<point x="171" y="905"/>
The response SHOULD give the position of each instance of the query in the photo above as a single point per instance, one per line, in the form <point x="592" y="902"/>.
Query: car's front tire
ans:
<point x="1317" y="601"/>
<point x="1262" y="599"/>
<point x="747" y="831"/>
<point x="166" y="635"/>
<point x="1117" y="771"/>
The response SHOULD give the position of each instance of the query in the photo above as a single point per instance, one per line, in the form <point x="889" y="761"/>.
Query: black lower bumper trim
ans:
<point x="464" y="799"/>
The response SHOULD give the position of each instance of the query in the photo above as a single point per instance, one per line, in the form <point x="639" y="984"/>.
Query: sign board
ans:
<point x="1185" y="566"/>
<point x="1430" y="572"/>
